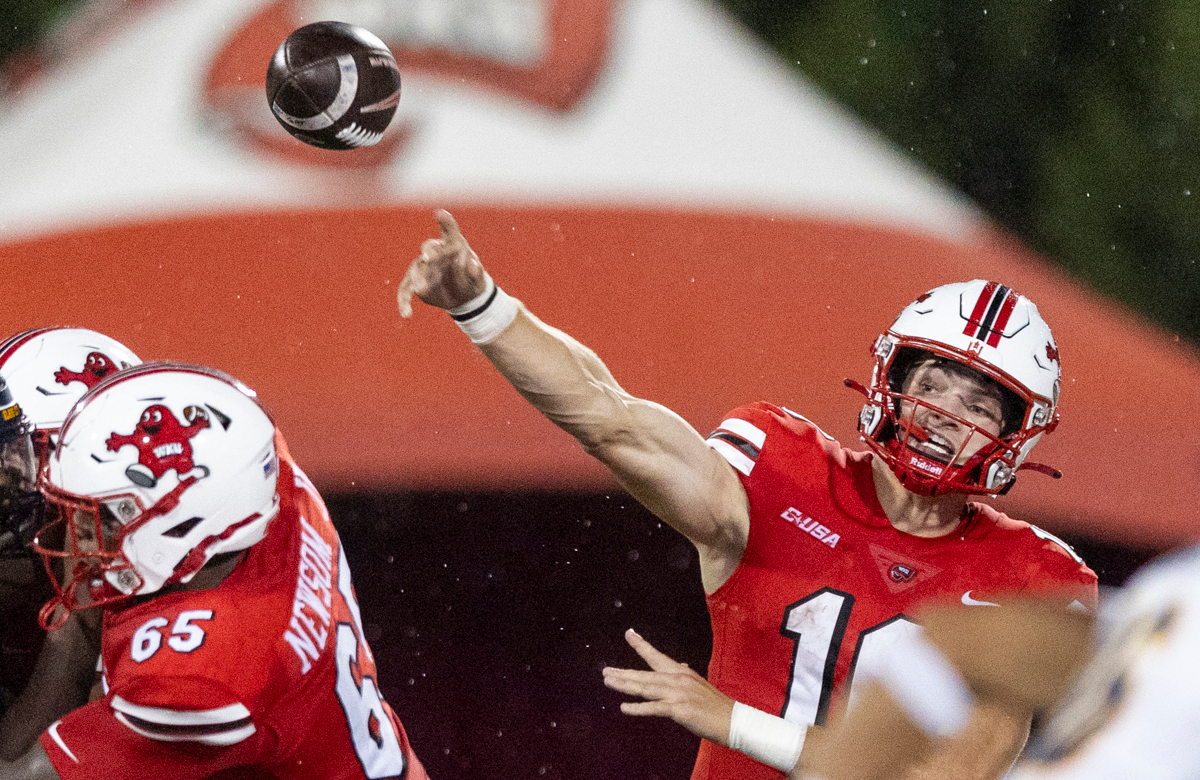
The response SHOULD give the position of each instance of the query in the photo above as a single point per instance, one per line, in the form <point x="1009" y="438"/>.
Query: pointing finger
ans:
<point x="658" y="661"/>
<point x="449" y="227"/>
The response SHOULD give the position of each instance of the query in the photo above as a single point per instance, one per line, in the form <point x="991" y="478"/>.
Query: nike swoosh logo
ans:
<point x="53" y="732"/>
<point x="970" y="602"/>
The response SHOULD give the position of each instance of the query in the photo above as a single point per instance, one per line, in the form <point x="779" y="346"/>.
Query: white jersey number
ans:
<point x="184" y="638"/>
<point x="375" y="740"/>
<point x="816" y="624"/>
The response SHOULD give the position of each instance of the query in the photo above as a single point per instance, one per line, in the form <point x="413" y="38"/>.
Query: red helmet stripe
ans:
<point x="1006" y="309"/>
<point x="10" y="345"/>
<point x="981" y="306"/>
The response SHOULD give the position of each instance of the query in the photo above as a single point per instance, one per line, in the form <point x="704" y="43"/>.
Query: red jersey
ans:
<point x="265" y="675"/>
<point x="826" y="584"/>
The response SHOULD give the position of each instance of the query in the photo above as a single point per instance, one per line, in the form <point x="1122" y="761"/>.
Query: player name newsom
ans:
<point x="312" y="609"/>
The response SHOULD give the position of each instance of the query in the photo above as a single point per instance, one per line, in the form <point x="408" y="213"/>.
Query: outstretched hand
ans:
<point x="446" y="274"/>
<point x="672" y="690"/>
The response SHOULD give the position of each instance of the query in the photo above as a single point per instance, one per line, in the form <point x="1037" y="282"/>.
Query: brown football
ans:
<point x="333" y="85"/>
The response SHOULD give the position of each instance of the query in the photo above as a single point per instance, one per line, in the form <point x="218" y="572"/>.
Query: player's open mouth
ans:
<point x="935" y="447"/>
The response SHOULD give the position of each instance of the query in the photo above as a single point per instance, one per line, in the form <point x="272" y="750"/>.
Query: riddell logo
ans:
<point x="546" y="52"/>
<point x="927" y="466"/>
<point x="810" y="526"/>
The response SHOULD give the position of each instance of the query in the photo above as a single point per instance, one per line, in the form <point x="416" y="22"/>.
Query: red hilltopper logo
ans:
<point x="163" y="443"/>
<point x="95" y="367"/>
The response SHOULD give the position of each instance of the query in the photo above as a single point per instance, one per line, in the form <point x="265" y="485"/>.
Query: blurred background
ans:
<point x="727" y="200"/>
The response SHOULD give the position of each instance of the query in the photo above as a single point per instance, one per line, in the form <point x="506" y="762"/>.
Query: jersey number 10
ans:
<point x="816" y="624"/>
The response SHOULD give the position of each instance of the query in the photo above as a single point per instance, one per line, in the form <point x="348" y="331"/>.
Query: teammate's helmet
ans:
<point x="19" y="500"/>
<point x="1000" y="335"/>
<point x="158" y="469"/>
<point x="47" y="370"/>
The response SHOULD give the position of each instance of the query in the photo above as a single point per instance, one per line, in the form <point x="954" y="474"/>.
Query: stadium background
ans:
<point x="492" y="611"/>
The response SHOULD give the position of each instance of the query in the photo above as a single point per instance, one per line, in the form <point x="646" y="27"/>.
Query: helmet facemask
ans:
<point x="932" y="449"/>
<point x="895" y="424"/>
<point x="80" y="546"/>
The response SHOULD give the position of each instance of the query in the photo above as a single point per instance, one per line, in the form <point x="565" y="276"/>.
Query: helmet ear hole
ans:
<point x="182" y="529"/>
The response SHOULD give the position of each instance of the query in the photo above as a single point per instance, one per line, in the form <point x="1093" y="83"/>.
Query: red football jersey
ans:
<point x="826" y="584"/>
<point x="265" y="675"/>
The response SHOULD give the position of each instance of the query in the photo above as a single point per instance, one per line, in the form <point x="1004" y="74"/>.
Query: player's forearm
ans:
<point x="34" y="764"/>
<point x="60" y="683"/>
<point x="985" y="751"/>
<point x="561" y="378"/>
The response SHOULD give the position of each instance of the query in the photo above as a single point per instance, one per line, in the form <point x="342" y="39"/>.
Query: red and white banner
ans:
<point x="642" y="174"/>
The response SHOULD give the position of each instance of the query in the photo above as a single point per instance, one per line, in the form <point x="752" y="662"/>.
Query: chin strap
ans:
<point x="1041" y="468"/>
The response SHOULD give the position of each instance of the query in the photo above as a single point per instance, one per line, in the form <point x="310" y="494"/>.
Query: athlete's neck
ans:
<point x="910" y="513"/>
<point x="212" y="575"/>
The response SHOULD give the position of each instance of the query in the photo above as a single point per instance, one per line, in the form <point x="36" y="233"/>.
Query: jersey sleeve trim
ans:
<point x="739" y="442"/>
<point x="221" y="726"/>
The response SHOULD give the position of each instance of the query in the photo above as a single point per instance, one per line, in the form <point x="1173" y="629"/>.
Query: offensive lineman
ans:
<point x="232" y="642"/>
<point x="812" y="556"/>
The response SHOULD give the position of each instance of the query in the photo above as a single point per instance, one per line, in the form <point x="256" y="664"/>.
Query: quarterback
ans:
<point x="813" y="557"/>
<point x="232" y="644"/>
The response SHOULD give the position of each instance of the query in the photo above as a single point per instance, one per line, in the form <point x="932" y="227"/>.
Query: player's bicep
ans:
<point x="667" y="466"/>
<point x="92" y="744"/>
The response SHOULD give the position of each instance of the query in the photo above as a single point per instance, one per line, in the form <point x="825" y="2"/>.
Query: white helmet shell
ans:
<point x="993" y="330"/>
<point x="987" y="324"/>
<point x="181" y="461"/>
<point x="49" y="369"/>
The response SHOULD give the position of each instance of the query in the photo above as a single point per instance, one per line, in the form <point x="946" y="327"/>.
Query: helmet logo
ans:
<point x="163" y="443"/>
<point x="990" y="315"/>
<point x="1051" y="352"/>
<point x="96" y="367"/>
<point x="901" y="573"/>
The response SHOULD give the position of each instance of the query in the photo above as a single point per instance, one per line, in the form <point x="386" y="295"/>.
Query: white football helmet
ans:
<point x="158" y="469"/>
<point x="48" y="370"/>
<point x="998" y="333"/>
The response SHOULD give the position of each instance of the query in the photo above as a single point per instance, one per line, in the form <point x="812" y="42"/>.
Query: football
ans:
<point x="333" y="85"/>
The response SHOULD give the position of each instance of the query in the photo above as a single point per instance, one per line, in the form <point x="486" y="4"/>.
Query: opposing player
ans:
<point x="1132" y="711"/>
<point x="813" y="556"/>
<point x="46" y="370"/>
<point x="232" y="641"/>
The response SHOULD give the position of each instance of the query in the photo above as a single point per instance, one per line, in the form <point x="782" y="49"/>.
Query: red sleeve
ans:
<point x="91" y="744"/>
<point x="1061" y="574"/>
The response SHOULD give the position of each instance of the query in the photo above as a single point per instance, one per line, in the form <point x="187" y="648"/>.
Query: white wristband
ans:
<point x="483" y="317"/>
<point x="926" y="686"/>
<point x="766" y="738"/>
